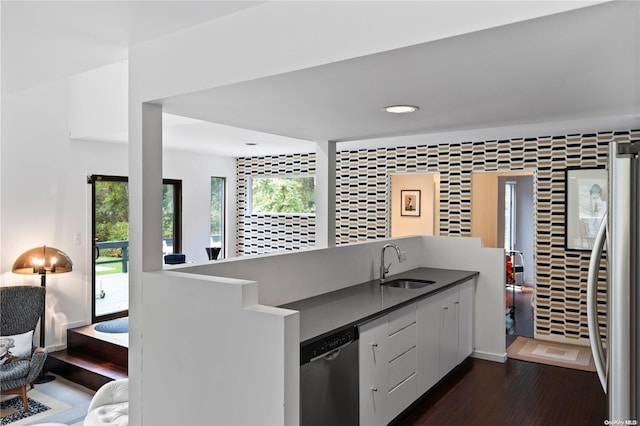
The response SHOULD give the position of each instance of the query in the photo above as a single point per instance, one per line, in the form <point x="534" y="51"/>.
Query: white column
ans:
<point x="145" y="230"/>
<point x="325" y="194"/>
<point x="151" y="187"/>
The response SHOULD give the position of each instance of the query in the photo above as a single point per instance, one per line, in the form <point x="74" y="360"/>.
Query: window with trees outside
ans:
<point x="217" y="215"/>
<point x="283" y="195"/>
<point x="510" y="215"/>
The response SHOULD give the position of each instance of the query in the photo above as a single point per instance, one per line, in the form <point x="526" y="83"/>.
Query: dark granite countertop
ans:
<point x="357" y="304"/>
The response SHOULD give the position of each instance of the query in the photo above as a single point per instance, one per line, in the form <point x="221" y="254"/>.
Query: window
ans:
<point x="217" y="214"/>
<point x="283" y="195"/>
<point x="510" y="216"/>
<point x="171" y="219"/>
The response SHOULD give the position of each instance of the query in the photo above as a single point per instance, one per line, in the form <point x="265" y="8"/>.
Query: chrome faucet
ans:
<point x="385" y="270"/>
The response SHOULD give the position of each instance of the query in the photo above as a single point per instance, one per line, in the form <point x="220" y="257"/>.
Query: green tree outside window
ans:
<point x="283" y="195"/>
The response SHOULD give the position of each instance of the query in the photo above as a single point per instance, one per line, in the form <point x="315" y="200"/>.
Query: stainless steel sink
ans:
<point x="408" y="283"/>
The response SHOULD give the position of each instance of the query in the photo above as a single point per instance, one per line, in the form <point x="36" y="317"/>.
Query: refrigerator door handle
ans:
<point x="597" y="349"/>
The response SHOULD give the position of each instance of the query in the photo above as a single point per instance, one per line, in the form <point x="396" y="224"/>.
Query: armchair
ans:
<point x="21" y="307"/>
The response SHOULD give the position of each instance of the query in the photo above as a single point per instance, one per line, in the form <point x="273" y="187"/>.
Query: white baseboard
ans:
<point x="56" y="348"/>
<point x="489" y="356"/>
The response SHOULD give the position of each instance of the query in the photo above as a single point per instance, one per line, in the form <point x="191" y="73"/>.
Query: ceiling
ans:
<point x="581" y="64"/>
<point x="43" y="41"/>
<point x="577" y="66"/>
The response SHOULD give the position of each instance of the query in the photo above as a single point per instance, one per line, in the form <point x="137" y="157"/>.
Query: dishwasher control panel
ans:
<point x="317" y="348"/>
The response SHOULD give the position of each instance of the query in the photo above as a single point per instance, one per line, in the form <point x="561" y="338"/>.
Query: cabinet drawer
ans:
<point x="401" y="368"/>
<point x="401" y="397"/>
<point x="401" y="342"/>
<point x="401" y="318"/>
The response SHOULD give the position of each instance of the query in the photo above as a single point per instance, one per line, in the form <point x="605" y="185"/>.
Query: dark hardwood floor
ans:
<point x="514" y="393"/>
<point x="522" y="322"/>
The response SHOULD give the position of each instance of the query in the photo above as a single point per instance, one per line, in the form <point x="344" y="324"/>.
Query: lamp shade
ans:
<point x="42" y="260"/>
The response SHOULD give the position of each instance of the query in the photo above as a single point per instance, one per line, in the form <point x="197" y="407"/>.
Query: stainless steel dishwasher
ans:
<point x="329" y="380"/>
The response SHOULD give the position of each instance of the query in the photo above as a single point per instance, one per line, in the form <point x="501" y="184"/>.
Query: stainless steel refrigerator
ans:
<point x="619" y="235"/>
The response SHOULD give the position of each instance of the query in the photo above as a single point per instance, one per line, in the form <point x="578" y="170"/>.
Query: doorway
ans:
<point x="110" y="233"/>
<point x="421" y="219"/>
<point x="110" y="229"/>
<point x="503" y="215"/>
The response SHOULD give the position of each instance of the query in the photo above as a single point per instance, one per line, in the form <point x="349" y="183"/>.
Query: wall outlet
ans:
<point x="77" y="238"/>
<point x="403" y="255"/>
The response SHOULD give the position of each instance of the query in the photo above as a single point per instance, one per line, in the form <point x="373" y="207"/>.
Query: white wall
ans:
<point x="42" y="203"/>
<point x="467" y="253"/>
<point x="46" y="198"/>
<point x="213" y="337"/>
<point x="98" y="103"/>
<point x="195" y="170"/>
<point x="293" y="276"/>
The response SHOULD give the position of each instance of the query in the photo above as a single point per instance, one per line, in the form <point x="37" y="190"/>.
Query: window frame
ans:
<point x="223" y="216"/>
<point x="511" y="186"/>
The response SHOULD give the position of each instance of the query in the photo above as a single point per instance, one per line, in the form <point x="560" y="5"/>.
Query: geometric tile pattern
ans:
<point x="362" y="184"/>
<point x="265" y="233"/>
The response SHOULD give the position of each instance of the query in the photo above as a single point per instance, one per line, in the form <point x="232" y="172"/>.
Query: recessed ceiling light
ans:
<point x="401" y="109"/>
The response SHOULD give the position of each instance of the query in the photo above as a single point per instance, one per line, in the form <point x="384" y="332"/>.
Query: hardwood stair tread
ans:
<point x="91" y="358"/>
<point x="90" y="363"/>
<point x="87" y="332"/>
<point x="101" y="346"/>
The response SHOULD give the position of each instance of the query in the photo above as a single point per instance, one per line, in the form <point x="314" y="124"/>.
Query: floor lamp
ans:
<point x="43" y="261"/>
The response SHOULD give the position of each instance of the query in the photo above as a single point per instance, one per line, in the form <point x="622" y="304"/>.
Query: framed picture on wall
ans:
<point x="586" y="204"/>
<point x="410" y="202"/>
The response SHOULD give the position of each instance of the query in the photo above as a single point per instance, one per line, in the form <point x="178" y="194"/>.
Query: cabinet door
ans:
<point x="449" y="331"/>
<point x="373" y="371"/>
<point x="466" y="306"/>
<point x="428" y="319"/>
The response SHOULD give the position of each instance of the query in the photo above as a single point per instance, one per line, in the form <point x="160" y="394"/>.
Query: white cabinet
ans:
<point x="404" y="353"/>
<point x="388" y="364"/>
<point x="466" y="312"/>
<point x="428" y="323"/>
<point x="445" y="333"/>
<point x="448" y="331"/>
<point x="372" y="368"/>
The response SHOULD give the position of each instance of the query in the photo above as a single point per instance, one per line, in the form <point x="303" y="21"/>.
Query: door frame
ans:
<point x="177" y="234"/>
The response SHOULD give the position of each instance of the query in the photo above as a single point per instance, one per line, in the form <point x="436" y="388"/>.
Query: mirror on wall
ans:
<point x="415" y="204"/>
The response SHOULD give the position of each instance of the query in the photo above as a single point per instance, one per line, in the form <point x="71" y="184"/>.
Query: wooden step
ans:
<point x="112" y="347"/>
<point x="84" y="369"/>
<point x="91" y="358"/>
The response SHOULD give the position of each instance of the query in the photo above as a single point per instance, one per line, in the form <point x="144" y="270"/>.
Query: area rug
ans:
<point x="40" y="406"/>
<point x="120" y="325"/>
<point x="552" y="353"/>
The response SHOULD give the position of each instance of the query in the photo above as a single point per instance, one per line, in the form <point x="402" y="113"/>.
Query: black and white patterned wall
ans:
<point x="362" y="205"/>
<point x="264" y="233"/>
